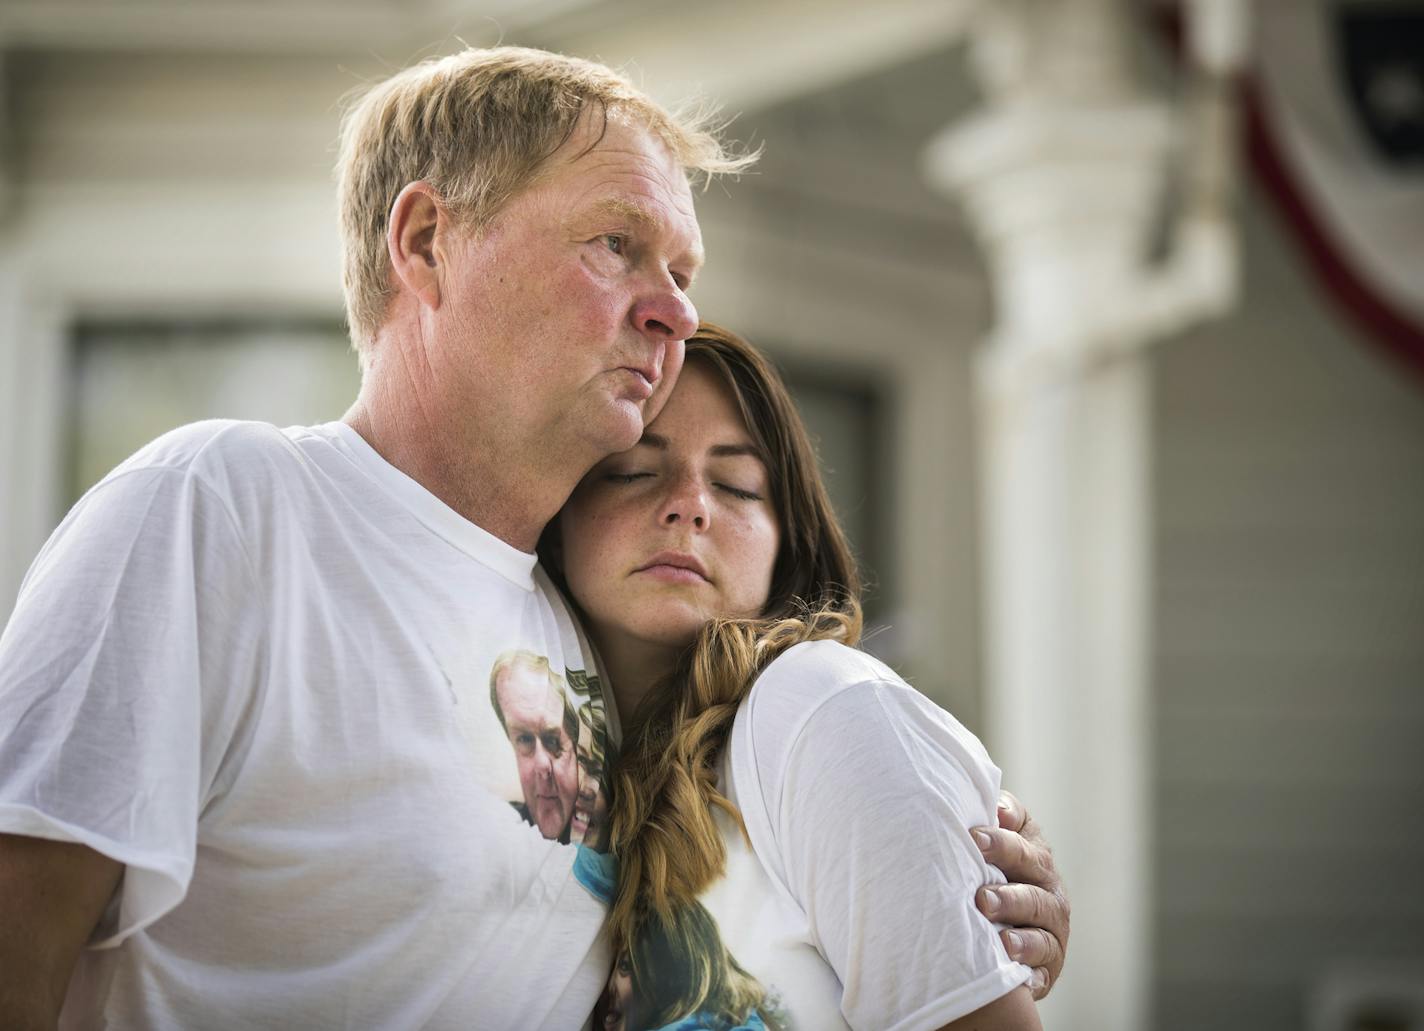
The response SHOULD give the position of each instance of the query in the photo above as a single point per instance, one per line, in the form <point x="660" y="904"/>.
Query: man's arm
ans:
<point x="52" y="893"/>
<point x="1033" y="903"/>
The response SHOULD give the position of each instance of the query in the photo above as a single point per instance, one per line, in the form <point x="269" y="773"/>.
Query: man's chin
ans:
<point x="551" y="823"/>
<point x="618" y="428"/>
<point x="629" y="422"/>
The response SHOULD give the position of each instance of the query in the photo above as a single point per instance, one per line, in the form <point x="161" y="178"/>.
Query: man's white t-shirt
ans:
<point x="854" y="904"/>
<point x="254" y="666"/>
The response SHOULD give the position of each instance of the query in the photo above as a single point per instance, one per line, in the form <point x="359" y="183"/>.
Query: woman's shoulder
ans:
<point x="806" y="679"/>
<point x="818" y="670"/>
<point x="817" y="692"/>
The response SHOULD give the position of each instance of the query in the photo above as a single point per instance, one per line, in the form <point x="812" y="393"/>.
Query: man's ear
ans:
<point x="410" y="240"/>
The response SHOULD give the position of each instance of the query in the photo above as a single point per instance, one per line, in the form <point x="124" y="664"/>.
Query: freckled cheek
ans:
<point x="751" y="544"/>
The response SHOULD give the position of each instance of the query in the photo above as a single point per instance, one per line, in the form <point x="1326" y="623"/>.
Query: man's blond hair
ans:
<point x="478" y="126"/>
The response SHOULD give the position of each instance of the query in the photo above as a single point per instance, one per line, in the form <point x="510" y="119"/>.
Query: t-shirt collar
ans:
<point x="505" y="559"/>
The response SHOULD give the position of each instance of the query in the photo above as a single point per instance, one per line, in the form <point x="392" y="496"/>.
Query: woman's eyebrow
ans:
<point x="660" y="443"/>
<point x="732" y="450"/>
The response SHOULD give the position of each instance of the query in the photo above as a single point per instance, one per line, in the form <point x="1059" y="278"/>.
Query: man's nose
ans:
<point x="666" y="313"/>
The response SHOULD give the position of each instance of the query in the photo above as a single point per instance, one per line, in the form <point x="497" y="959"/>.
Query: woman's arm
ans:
<point x="873" y="791"/>
<point x="1013" y="1012"/>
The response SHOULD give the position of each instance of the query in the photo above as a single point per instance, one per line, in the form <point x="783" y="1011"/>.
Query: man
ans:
<point x="542" y="727"/>
<point x="247" y="754"/>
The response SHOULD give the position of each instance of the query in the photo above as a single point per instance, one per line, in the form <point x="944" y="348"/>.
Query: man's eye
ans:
<point x="553" y="744"/>
<point x="616" y="242"/>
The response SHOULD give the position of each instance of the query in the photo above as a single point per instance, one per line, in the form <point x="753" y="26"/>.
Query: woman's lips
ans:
<point x="676" y="567"/>
<point x="612" y="1014"/>
<point x="674" y="574"/>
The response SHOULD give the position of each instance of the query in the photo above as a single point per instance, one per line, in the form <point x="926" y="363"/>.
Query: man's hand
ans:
<point x="1032" y="903"/>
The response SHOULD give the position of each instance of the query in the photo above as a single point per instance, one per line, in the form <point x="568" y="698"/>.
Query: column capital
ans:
<point x="1064" y="174"/>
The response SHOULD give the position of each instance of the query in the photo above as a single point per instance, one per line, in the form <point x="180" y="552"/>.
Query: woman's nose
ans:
<point x="687" y="503"/>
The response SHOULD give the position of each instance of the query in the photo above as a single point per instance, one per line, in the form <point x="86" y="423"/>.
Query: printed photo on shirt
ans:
<point x="556" y="727"/>
<point x="589" y="825"/>
<point x="679" y="976"/>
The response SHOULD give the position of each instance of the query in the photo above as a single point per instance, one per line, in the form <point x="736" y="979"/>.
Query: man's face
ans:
<point x="571" y="304"/>
<point x="548" y="770"/>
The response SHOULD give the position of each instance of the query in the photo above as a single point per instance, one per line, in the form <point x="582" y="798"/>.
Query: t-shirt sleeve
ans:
<point x="872" y="797"/>
<point x="121" y="681"/>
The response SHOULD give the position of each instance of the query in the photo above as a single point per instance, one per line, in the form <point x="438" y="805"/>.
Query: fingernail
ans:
<point x="1015" y="944"/>
<point x="1036" y="982"/>
<point x="982" y="839"/>
<point x="991" y="900"/>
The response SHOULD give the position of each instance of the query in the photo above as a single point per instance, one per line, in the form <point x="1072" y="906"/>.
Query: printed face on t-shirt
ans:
<point x="591" y="805"/>
<point x="619" y="1009"/>
<point x="533" y="709"/>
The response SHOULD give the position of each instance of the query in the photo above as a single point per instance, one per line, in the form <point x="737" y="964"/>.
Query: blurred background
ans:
<point x="1108" y="316"/>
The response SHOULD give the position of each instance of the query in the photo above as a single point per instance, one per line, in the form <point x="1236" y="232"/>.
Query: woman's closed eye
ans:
<point x="629" y="477"/>
<point x="739" y="492"/>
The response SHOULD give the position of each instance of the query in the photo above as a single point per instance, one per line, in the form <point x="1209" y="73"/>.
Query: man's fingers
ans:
<point x="1025" y="906"/>
<point x="1014" y="817"/>
<point x="1012" y="814"/>
<point x="1033" y="903"/>
<point x="1033" y="947"/>
<point x="1019" y="858"/>
<point x="1038" y="931"/>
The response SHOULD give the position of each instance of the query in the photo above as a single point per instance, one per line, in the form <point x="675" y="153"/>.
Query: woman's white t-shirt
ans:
<point x="854" y="905"/>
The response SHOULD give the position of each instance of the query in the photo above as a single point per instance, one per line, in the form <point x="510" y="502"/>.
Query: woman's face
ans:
<point x="618" y="1010"/>
<point x="677" y="530"/>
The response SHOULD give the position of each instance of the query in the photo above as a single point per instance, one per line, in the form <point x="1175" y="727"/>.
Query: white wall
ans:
<point x="149" y="187"/>
<point x="1290" y="653"/>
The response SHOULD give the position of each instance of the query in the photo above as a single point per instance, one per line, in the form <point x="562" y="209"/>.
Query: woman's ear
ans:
<point x="410" y="240"/>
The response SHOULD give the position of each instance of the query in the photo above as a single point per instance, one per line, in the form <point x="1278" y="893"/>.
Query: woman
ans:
<point x="791" y="787"/>
<point x="677" y="974"/>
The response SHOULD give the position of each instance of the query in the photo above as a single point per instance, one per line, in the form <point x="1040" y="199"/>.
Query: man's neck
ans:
<point x="507" y="487"/>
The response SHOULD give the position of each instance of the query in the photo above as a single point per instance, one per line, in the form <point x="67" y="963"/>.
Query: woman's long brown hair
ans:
<point x="665" y="783"/>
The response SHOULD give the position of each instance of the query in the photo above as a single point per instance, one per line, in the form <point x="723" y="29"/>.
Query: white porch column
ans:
<point x="32" y="357"/>
<point x="1063" y="175"/>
